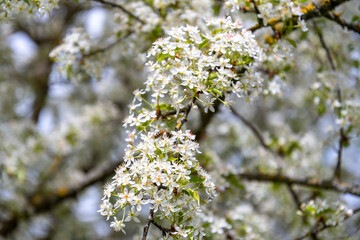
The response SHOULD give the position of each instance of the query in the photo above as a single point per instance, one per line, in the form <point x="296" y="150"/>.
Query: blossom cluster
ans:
<point x="270" y="10"/>
<point x="190" y="63"/>
<point x="9" y="8"/>
<point x="332" y="214"/>
<point x="161" y="170"/>
<point x="74" y="46"/>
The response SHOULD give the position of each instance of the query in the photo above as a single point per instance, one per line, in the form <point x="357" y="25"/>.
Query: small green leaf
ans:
<point x="217" y="91"/>
<point x="203" y="44"/>
<point x="194" y="195"/>
<point x="196" y="179"/>
<point x="68" y="71"/>
<point x="356" y="63"/>
<point x="355" y="18"/>
<point x="162" y="56"/>
<point x="292" y="42"/>
<point x="212" y="76"/>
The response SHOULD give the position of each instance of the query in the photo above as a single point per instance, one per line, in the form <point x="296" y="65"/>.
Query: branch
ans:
<point x="343" y="139"/>
<point x="39" y="204"/>
<point x="116" y="5"/>
<point x="147" y="226"/>
<point x="186" y="113"/>
<point x="337" y="19"/>
<point x="104" y="49"/>
<point x="253" y="128"/>
<point x="161" y="228"/>
<point x="294" y="195"/>
<point x="305" y="182"/>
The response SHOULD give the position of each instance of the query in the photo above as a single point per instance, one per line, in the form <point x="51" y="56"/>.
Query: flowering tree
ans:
<point x="235" y="119"/>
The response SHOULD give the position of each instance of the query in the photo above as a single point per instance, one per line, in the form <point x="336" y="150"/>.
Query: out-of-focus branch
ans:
<point x="336" y="18"/>
<point x="343" y="138"/>
<point x="305" y="182"/>
<point x="119" y="6"/>
<point x="41" y="203"/>
<point x="253" y="128"/>
<point x="294" y="195"/>
<point x="106" y="48"/>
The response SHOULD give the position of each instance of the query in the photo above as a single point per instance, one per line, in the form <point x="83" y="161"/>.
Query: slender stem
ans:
<point x="294" y="195"/>
<point x="343" y="138"/>
<point x="253" y="128"/>
<point x="116" y="5"/>
<point x="111" y="45"/>
<point x="147" y="226"/>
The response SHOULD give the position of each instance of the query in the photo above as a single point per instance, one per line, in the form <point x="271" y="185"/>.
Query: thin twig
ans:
<point x="104" y="49"/>
<point x="294" y="195"/>
<point x="343" y="138"/>
<point x="116" y="5"/>
<point x="147" y="226"/>
<point x="186" y="113"/>
<point x="161" y="228"/>
<point x="325" y="47"/>
<point x="253" y="128"/>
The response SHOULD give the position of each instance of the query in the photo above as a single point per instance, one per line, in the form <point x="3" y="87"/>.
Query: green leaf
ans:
<point x="194" y="195"/>
<point x="356" y="63"/>
<point x="292" y="42"/>
<point x="162" y="56"/>
<point x="217" y="91"/>
<point x="68" y="71"/>
<point x="27" y="2"/>
<point x="166" y="107"/>
<point x="203" y="44"/>
<point x="196" y="179"/>
<point x="212" y="76"/>
<point x="355" y="19"/>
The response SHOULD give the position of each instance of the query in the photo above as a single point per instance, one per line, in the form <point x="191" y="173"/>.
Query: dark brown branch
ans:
<point x="186" y="113"/>
<point x="260" y="20"/>
<point x="116" y="5"/>
<point x="294" y="195"/>
<point x="147" y="226"/>
<point x="163" y="230"/>
<point x="336" y="18"/>
<point x="325" y="47"/>
<point x="305" y="182"/>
